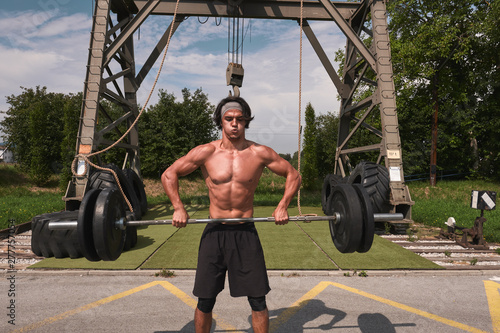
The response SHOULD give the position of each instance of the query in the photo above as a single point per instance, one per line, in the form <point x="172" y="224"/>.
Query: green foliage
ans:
<point x="326" y="138"/>
<point x="71" y="112"/>
<point x="309" y="170"/>
<point x="434" y="205"/>
<point x="38" y="127"/>
<point x="170" y="129"/>
<point x="34" y="126"/>
<point x="445" y="58"/>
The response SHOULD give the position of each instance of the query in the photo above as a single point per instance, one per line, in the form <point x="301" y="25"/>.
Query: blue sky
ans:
<point x="45" y="43"/>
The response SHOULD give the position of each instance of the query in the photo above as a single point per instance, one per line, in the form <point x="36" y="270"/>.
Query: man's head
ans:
<point x="232" y="103"/>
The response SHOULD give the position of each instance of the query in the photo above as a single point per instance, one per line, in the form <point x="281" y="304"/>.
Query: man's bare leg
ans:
<point x="202" y="321"/>
<point x="260" y="321"/>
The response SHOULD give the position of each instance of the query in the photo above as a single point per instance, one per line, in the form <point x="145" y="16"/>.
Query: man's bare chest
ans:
<point x="242" y="168"/>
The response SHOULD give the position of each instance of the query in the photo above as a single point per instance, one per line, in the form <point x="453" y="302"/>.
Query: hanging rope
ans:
<point x="300" y="101"/>
<point x="86" y="157"/>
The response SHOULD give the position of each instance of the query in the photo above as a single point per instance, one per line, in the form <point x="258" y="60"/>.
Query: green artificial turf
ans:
<point x="383" y="254"/>
<point x="291" y="246"/>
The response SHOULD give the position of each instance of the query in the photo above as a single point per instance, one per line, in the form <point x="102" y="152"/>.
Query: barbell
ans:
<point x="102" y="221"/>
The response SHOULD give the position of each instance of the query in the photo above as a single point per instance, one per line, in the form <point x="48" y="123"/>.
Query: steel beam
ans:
<point x="263" y="9"/>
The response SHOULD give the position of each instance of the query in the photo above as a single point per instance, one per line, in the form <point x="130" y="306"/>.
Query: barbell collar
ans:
<point x="122" y="223"/>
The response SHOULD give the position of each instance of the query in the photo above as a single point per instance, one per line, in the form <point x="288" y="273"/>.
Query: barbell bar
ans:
<point x="102" y="221"/>
<point x="122" y="223"/>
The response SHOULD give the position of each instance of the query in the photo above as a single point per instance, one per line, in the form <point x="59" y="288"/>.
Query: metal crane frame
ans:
<point x="112" y="46"/>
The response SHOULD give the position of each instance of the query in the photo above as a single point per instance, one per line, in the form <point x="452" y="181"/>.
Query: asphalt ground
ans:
<point x="300" y="301"/>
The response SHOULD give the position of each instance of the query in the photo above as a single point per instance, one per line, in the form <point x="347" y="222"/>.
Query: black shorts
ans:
<point x="236" y="249"/>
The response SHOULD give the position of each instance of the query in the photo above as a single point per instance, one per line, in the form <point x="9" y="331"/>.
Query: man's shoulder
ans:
<point x="211" y="146"/>
<point x="260" y="149"/>
<point x="203" y="151"/>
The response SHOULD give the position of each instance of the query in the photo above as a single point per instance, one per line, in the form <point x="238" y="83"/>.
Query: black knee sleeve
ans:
<point x="206" y="305"/>
<point x="257" y="303"/>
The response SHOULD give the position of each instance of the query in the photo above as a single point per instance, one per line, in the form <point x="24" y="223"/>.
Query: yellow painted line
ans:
<point x="295" y="307"/>
<point x="84" y="308"/>
<point x="168" y="286"/>
<point x="409" y="309"/>
<point x="193" y="303"/>
<point x="301" y="302"/>
<point x="493" y="294"/>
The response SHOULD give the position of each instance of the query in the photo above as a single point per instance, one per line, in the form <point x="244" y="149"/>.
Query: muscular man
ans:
<point x="232" y="168"/>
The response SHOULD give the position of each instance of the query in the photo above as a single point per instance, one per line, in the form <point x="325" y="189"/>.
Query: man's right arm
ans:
<point x="170" y="180"/>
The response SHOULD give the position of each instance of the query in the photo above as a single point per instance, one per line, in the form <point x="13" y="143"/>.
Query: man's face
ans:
<point x="233" y="124"/>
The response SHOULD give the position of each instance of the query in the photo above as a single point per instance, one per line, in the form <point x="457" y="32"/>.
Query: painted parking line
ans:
<point x="492" y="292"/>
<point x="186" y="299"/>
<point x="301" y="302"/>
<point x="493" y="295"/>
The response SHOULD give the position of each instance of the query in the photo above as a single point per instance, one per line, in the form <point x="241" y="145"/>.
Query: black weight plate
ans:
<point x="105" y="179"/>
<point x="368" y="219"/>
<point x="346" y="233"/>
<point x="131" y="238"/>
<point x="138" y="187"/>
<point x="331" y="180"/>
<point x="108" y="239"/>
<point x="85" y="225"/>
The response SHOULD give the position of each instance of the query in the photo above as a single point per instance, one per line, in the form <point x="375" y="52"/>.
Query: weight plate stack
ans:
<point x="85" y="225"/>
<point x="104" y="179"/>
<point x="368" y="220"/>
<point x="138" y="187"/>
<point x="329" y="183"/>
<point x="108" y="238"/>
<point x="346" y="232"/>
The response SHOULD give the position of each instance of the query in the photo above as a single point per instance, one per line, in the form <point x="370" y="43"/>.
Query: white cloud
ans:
<point x="51" y="51"/>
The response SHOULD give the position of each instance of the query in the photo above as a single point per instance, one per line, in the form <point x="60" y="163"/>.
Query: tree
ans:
<point x="438" y="53"/>
<point x="71" y="119"/>
<point x="39" y="171"/>
<point x="169" y="129"/>
<point x="310" y="171"/>
<point x="487" y="76"/>
<point x="34" y="128"/>
<point x="326" y="138"/>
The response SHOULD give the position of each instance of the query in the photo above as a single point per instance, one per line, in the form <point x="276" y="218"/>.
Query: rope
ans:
<point x="86" y="157"/>
<point x="300" y="100"/>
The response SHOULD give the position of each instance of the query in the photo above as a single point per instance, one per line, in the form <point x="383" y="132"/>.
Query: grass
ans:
<point x="434" y="205"/>
<point x="21" y="200"/>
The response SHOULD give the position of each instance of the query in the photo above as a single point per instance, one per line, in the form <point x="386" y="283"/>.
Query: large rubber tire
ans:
<point x="375" y="180"/>
<point x="104" y="179"/>
<point x="330" y="181"/>
<point x="54" y="243"/>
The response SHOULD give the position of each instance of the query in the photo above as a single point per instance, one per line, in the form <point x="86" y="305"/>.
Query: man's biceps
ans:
<point x="281" y="169"/>
<point x="187" y="168"/>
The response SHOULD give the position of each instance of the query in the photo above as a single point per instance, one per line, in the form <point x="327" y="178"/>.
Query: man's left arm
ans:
<point x="283" y="168"/>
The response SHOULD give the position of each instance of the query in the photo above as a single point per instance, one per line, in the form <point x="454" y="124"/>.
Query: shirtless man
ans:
<point x="232" y="168"/>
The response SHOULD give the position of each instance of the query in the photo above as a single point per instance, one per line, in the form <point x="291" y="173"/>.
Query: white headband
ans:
<point x="230" y="106"/>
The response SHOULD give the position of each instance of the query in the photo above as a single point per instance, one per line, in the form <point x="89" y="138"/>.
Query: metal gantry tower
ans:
<point x="366" y="87"/>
